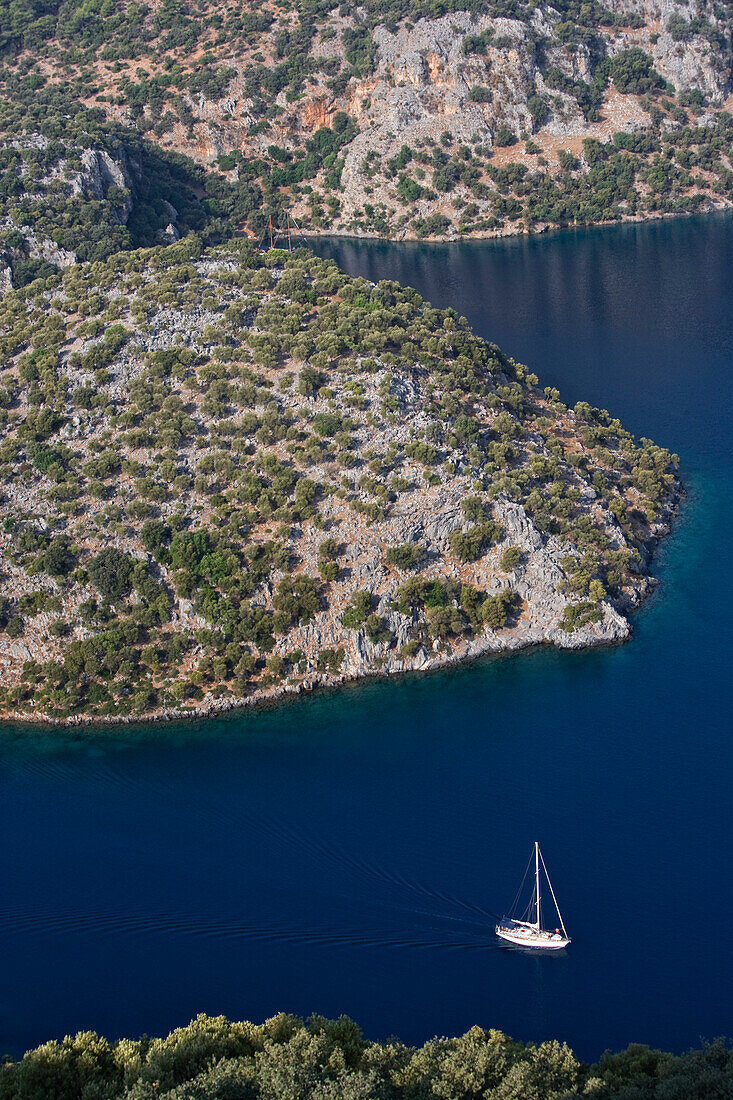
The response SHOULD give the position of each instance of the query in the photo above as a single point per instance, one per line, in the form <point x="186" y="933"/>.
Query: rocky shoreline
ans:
<point x="614" y="629"/>
<point x="721" y="206"/>
<point x="267" y="475"/>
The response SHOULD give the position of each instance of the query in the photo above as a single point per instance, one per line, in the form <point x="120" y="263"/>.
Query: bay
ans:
<point x="344" y="853"/>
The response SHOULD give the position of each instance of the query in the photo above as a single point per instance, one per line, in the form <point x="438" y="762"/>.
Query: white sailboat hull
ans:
<point x="529" y="932"/>
<point x="533" y="938"/>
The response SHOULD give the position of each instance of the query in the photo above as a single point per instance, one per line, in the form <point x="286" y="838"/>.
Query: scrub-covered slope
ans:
<point x="227" y="475"/>
<point x="398" y="118"/>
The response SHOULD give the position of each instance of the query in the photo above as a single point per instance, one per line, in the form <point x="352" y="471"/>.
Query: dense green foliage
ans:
<point x="670" y="171"/>
<point x="287" y="1059"/>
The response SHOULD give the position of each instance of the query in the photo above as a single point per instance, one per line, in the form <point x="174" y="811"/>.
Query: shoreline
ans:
<point x="543" y="230"/>
<point x="587" y="639"/>
<point x="537" y="625"/>
<point x="286" y="694"/>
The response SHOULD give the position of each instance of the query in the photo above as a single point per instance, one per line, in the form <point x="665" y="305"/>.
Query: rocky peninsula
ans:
<point x="227" y="476"/>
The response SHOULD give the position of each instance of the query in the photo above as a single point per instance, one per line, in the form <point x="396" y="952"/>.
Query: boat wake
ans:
<point x="116" y="925"/>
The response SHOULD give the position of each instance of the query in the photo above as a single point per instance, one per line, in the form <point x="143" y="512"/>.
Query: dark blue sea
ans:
<point x="343" y="853"/>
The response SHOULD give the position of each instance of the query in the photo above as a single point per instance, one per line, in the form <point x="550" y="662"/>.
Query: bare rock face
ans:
<point x="39" y="248"/>
<point x="6" y="277"/>
<point x="42" y="248"/>
<point x="101" y="172"/>
<point x="700" y="61"/>
<point x="423" y="83"/>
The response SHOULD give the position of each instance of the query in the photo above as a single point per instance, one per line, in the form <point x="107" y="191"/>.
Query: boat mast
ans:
<point x="549" y="883"/>
<point x="537" y="879"/>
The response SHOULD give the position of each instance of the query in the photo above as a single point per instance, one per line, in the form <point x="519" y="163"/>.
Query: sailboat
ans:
<point x="528" y="932"/>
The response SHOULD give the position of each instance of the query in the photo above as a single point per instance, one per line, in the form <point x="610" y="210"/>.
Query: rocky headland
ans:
<point x="227" y="476"/>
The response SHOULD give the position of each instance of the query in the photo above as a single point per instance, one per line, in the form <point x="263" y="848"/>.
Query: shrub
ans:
<point x="357" y="610"/>
<point x="473" y="508"/>
<point x="328" y="570"/>
<point x="539" y="110"/>
<point x="577" y="615"/>
<point x="327" y="424"/>
<point x="568" y="162"/>
<point x="329" y="550"/>
<point x="376" y="629"/>
<point x="110" y="572"/>
<point x="510" y="559"/>
<point x="504" y="136"/>
<point x="155" y="536"/>
<point x="445" y="621"/>
<point x="296" y="599"/>
<point x="632" y="71"/>
<point x="473" y="543"/>
<point x="15" y="627"/>
<point x="404" y="557"/>
<point x="331" y="660"/>
<point x="59" y="559"/>
<point x="496" y="610"/>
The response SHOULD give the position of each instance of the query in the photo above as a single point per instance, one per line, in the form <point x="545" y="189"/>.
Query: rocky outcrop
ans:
<point x="41" y="248"/>
<point x="6" y="277"/>
<point x="30" y="244"/>
<point x="702" y="60"/>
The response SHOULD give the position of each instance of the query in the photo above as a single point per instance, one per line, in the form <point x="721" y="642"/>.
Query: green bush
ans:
<point x="497" y="610"/>
<point x="111" y="572"/>
<point x="510" y="559"/>
<point x="504" y="136"/>
<point x="472" y="544"/>
<point x="577" y="615"/>
<point x="404" y="557"/>
<point x="215" y="1059"/>
<point x="358" y="610"/>
<point x="632" y="71"/>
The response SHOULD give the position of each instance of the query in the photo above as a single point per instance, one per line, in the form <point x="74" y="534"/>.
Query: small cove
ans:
<point x="343" y="853"/>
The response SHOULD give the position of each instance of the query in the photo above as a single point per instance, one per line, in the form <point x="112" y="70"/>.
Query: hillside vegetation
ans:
<point x="226" y="475"/>
<point x="127" y="124"/>
<point x="286" y="1059"/>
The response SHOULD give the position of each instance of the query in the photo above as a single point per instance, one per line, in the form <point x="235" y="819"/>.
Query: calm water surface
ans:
<point x="344" y="853"/>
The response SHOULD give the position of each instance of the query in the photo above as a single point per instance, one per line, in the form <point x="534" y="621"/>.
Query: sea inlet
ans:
<point x="344" y="853"/>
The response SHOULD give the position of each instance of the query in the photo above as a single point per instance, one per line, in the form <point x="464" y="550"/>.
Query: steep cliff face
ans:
<point x="501" y="91"/>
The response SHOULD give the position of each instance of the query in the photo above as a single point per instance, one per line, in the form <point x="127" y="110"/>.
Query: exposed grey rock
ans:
<point x="6" y="277"/>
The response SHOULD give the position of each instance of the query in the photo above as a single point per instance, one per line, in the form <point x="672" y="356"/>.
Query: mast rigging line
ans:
<point x="549" y="883"/>
<point x="518" y="894"/>
<point x="288" y="229"/>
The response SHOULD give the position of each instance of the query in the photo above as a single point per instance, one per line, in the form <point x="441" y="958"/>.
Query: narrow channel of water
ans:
<point x="343" y="853"/>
